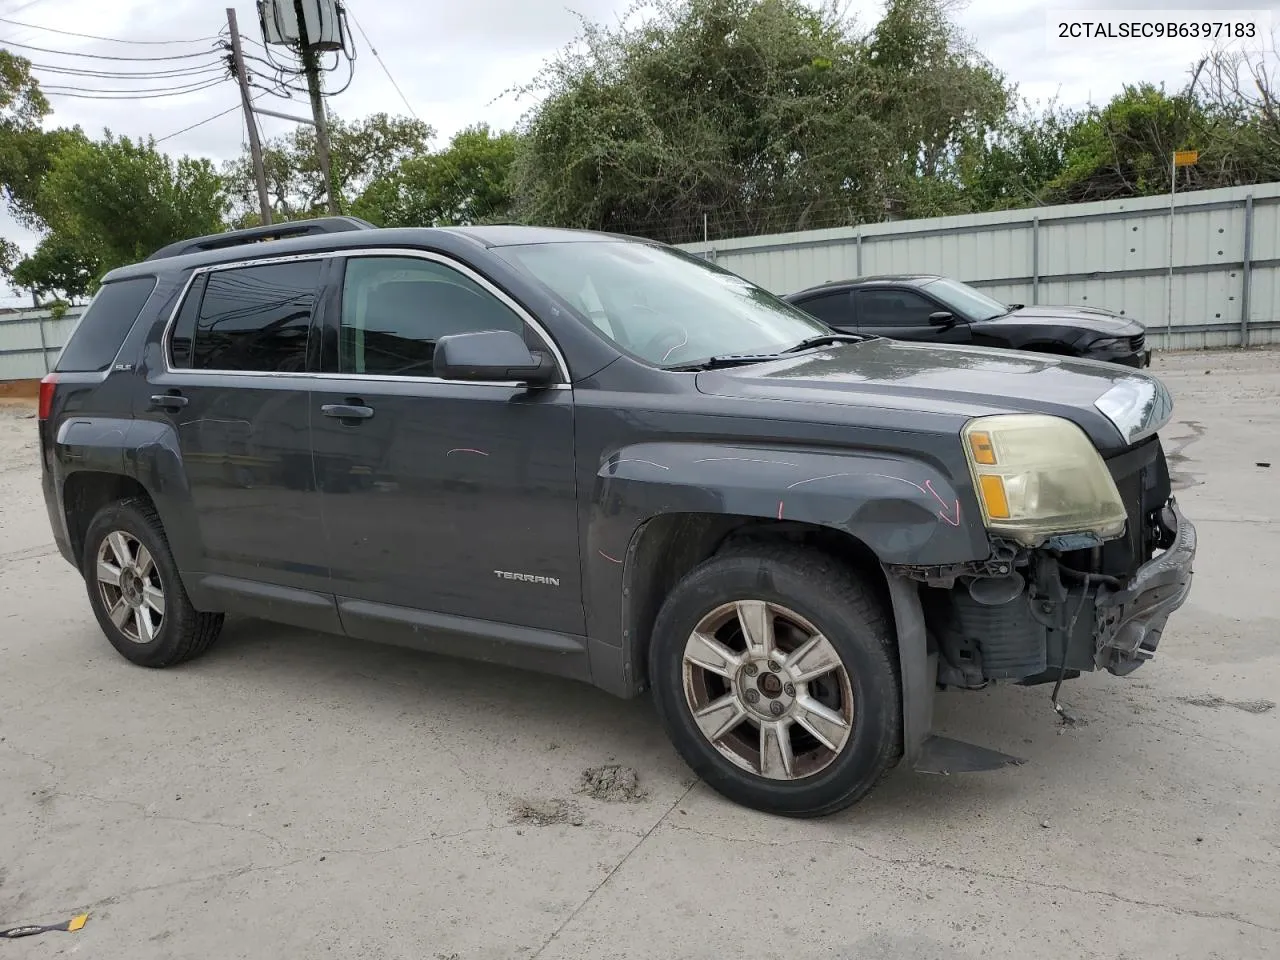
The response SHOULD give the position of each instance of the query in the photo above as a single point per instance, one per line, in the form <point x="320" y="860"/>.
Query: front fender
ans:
<point x="906" y="510"/>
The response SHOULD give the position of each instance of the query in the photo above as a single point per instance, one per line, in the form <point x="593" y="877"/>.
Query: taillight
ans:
<point x="46" y="394"/>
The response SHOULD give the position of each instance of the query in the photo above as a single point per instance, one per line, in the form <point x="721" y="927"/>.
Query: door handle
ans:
<point x="347" y="411"/>
<point x="173" y="401"/>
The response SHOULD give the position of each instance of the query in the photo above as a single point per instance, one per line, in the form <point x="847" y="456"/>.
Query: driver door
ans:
<point x="902" y="314"/>
<point x="456" y="498"/>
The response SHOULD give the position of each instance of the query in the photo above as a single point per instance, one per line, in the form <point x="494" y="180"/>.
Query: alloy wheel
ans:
<point x="768" y="690"/>
<point x="130" y="586"/>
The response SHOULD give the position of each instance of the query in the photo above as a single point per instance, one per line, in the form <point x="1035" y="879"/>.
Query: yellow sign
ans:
<point x="1185" y="158"/>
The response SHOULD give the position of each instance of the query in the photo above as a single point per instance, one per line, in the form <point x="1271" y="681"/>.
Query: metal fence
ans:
<point x="30" y="341"/>
<point x="1112" y="254"/>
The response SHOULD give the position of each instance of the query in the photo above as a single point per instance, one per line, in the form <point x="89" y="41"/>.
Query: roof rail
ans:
<point x="277" y="231"/>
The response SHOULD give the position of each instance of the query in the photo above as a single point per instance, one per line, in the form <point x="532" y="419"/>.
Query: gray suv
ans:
<point x="607" y="459"/>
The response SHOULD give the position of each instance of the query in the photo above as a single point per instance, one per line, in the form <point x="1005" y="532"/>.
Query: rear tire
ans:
<point x="761" y="722"/>
<point x="136" y="592"/>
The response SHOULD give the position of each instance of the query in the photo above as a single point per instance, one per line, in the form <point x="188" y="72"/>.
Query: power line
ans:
<point x="216" y="116"/>
<point x="76" y="92"/>
<point x="377" y="56"/>
<point x="198" y="123"/>
<point x="100" y="56"/>
<point x="90" y="36"/>
<point x="181" y="88"/>
<point x="130" y="74"/>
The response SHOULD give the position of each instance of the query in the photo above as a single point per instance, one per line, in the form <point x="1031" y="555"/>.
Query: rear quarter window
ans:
<point x="110" y="316"/>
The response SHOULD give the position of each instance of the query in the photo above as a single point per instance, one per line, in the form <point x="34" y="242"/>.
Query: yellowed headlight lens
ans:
<point x="1038" y="476"/>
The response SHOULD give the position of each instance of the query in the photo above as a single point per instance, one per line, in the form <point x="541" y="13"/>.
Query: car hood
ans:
<point x="952" y="380"/>
<point x="1089" y="319"/>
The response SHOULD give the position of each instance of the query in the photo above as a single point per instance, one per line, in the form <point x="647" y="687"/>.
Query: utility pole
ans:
<point x="255" y="146"/>
<point x="311" y="65"/>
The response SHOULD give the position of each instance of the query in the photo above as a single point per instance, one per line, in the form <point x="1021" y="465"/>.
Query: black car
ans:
<point x="610" y="460"/>
<point x="934" y="309"/>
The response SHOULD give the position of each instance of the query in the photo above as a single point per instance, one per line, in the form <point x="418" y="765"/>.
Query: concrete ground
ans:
<point x="293" y="795"/>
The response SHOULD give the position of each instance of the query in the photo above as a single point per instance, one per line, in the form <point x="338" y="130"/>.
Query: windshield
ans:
<point x="966" y="301"/>
<point x="662" y="305"/>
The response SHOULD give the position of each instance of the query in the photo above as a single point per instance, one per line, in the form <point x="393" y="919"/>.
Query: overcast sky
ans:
<point x="454" y="60"/>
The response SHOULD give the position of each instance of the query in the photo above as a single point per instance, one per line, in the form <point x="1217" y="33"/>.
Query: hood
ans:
<point x="1087" y="319"/>
<point x="959" y="381"/>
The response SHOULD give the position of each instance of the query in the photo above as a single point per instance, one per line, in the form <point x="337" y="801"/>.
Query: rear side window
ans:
<point x="107" y="321"/>
<point x="254" y="319"/>
<point x="833" y="309"/>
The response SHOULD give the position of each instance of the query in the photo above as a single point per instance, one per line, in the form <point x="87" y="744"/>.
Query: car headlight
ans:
<point x="1106" y="343"/>
<point x="1037" y="476"/>
<point x="1137" y="406"/>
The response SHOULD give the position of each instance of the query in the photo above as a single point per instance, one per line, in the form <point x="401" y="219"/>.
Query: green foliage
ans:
<point x="1027" y="151"/>
<point x="124" y="200"/>
<point x="26" y="157"/>
<point x="22" y="105"/>
<point x="466" y="183"/>
<point x="764" y="115"/>
<point x="361" y="152"/>
<point x="1125" y="148"/>
<point x="59" y="267"/>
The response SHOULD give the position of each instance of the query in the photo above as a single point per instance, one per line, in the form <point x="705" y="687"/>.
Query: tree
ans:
<point x="26" y="157"/>
<point x="22" y="105"/>
<point x="361" y="152"/>
<point x="1124" y="149"/>
<point x="1240" y="92"/>
<point x="762" y="115"/>
<point x="936" y="100"/>
<point x="61" y="267"/>
<point x="1026" y="152"/>
<point x="112" y="202"/>
<point x="468" y="182"/>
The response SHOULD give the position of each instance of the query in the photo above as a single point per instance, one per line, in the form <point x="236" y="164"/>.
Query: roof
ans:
<point x="916" y="279"/>
<point x="343" y="233"/>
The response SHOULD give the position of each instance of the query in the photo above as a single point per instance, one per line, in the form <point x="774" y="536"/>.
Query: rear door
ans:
<point x="236" y="390"/>
<point x="457" y="498"/>
<point x="903" y="314"/>
<point x="833" y="309"/>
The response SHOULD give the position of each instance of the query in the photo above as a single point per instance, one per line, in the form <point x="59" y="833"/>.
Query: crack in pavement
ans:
<point x="151" y="815"/>
<point x="610" y="875"/>
<point x="30" y="756"/>
<point x="987" y="874"/>
<point x="238" y="872"/>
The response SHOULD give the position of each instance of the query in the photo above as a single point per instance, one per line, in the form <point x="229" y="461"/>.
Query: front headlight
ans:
<point x="1105" y="344"/>
<point x="1038" y="476"/>
<point x="1137" y="407"/>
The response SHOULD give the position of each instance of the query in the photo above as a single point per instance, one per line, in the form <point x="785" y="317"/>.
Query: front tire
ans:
<point x="774" y="669"/>
<point x="135" y="590"/>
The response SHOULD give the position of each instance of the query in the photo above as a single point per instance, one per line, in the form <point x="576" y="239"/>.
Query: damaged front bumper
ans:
<point x="1129" y="620"/>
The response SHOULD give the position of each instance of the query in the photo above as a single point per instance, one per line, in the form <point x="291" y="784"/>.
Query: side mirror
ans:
<point x="491" y="355"/>
<point x="942" y="318"/>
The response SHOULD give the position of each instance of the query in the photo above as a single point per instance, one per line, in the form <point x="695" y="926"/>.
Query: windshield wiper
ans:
<point x="741" y="359"/>
<point x="824" y="340"/>
<point x="728" y="360"/>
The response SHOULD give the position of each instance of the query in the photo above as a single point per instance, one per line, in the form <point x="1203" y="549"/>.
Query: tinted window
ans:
<point x="185" y="325"/>
<point x="98" y="336"/>
<point x="256" y="318"/>
<point x="394" y="309"/>
<point x="831" y="308"/>
<point x="893" y="308"/>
